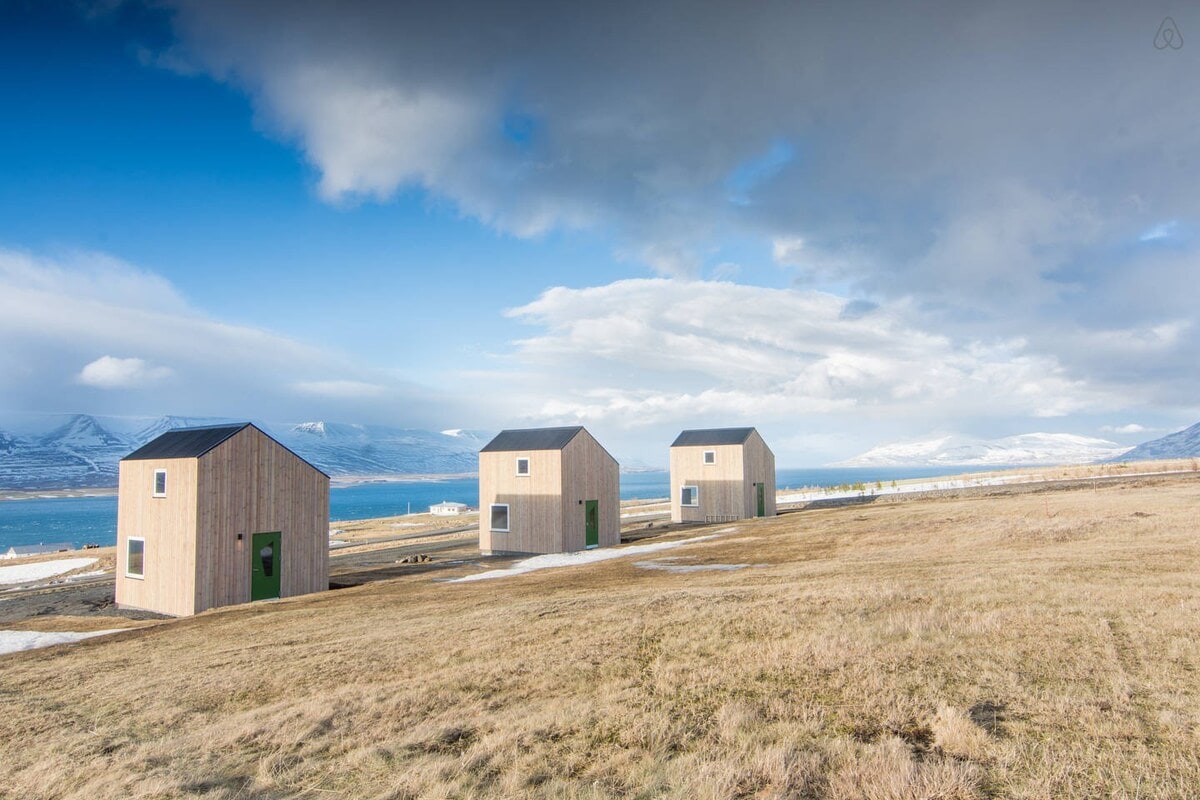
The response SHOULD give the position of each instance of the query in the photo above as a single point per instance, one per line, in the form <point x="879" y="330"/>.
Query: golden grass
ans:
<point x="1030" y="645"/>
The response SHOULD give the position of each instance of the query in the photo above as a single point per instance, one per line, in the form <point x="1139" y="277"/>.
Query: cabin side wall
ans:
<point x="760" y="468"/>
<point x="534" y="501"/>
<point x="721" y="485"/>
<point x="168" y="526"/>
<point x="250" y="484"/>
<point x="589" y="473"/>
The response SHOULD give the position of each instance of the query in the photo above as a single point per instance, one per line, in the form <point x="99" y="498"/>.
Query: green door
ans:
<point x="265" y="565"/>
<point x="591" y="523"/>
<point x="762" y="499"/>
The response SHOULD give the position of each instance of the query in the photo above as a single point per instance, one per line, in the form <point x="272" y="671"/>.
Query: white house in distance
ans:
<point x="547" y="490"/>
<point x="218" y="515"/>
<point x="448" y="509"/>
<point x="721" y="474"/>
<point x="22" y="550"/>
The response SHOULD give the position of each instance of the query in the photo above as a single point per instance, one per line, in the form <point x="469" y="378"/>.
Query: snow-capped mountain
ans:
<point x="347" y="450"/>
<point x="78" y="451"/>
<point x="82" y="451"/>
<point x="1181" y="444"/>
<point x="1027" y="449"/>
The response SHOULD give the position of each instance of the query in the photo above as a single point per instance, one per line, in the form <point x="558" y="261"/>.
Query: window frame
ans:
<point x="135" y="575"/>
<point x="528" y="467"/>
<point x="492" y="518"/>
<point x="695" y="495"/>
<point x="705" y="458"/>
<point x="154" y="490"/>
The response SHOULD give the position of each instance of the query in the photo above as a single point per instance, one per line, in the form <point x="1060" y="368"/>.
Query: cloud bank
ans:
<point x="63" y="318"/>
<point x="1015" y="173"/>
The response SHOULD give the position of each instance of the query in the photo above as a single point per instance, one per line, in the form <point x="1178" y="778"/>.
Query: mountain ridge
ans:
<point x="1180" y="444"/>
<point x="83" y="451"/>
<point x="1027" y="449"/>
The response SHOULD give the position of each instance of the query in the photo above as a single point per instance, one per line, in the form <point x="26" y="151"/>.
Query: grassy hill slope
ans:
<point x="1028" y="645"/>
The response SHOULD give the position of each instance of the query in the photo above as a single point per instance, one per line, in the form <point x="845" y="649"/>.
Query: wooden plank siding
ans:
<point x="194" y="561"/>
<point x="534" y="501"/>
<point x="720" y="484"/>
<point x="759" y="464"/>
<point x="251" y="484"/>
<point x="726" y="487"/>
<point x="168" y="524"/>
<point x="589" y="473"/>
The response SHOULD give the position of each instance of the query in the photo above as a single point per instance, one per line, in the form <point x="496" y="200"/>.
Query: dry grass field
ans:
<point x="1036" y="644"/>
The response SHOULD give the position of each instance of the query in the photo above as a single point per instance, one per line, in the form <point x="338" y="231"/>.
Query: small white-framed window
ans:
<point x="710" y="456"/>
<point x="135" y="557"/>
<point x="500" y="517"/>
<point x="160" y="483"/>
<point x="523" y="467"/>
<point x="689" y="496"/>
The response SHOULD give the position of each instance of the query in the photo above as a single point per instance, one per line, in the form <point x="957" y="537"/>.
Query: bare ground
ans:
<point x="1013" y="644"/>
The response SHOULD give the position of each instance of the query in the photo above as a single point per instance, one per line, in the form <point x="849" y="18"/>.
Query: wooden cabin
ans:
<point x="721" y="474"/>
<point x="218" y="515"/>
<point x="547" y="490"/>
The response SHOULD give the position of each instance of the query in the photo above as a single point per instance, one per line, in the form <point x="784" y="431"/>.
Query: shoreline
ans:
<point x="345" y="481"/>
<point x="16" y="495"/>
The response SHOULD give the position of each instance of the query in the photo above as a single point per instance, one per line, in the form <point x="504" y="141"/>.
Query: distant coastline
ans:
<point x="342" y="481"/>
<point x="45" y="494"/>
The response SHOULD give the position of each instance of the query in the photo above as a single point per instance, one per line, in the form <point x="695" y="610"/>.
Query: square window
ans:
<point x="689" y="496"/>
<point x="500" y="517"/>
<point x="523" y="466"/>
<point x="710" y="456"/>
<point x="135" y="557"/>
<point x="160" y="483"/>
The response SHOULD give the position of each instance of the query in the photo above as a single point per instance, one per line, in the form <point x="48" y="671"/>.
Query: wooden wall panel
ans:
<point x="251" y="484"/>
<point x="168" y="524"/>
<point x="589" y="473"/>
<point x="721" y="485"/>
<point x="760" y="468"/>
<point x="534" y="501"/>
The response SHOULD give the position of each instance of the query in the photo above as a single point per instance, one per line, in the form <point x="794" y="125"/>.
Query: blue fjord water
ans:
<point x="81" y="520"/>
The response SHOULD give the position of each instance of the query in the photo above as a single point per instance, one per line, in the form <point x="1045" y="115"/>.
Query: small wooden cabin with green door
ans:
<point x="721" y="474"/>
<point x="218" y="515"/>
<point x="547" y="490"/>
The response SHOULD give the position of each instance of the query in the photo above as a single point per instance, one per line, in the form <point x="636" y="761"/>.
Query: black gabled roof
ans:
<point x="185" y="442"/>
<point x="195" y="442"/>
<point x="531" y="439"/>
<point x="712" y="436"/>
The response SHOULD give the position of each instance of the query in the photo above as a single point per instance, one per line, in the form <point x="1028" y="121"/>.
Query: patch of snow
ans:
<point x="552" y="560"/>
<point x="335" y="543"/>
<point x="17" y="641"/>
<point x="79" y="576"/>
<point x="23" y="573"/>
<point x="60" y="581"/>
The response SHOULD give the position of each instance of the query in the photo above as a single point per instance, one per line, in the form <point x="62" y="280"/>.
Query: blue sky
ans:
<point x="845" y="226"/>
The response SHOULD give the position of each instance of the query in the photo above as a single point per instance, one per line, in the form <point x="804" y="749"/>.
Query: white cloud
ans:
<point x="1132" y="427"/>
<point x="59" y="312"/>
<point x="109" y="372"/>
<point x="656" y="351"/>
<point x="340" y="389"/>
<point x="1163" y="230"/>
